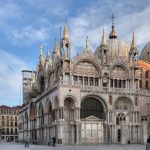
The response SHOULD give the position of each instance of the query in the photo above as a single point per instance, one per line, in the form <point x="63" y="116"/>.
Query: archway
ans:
<point x="48" y="119"/>
<point x="69" y="117"/>
<point x="33" y="122"/>
<point x="93" y="112"/>
<point x="125" y="117"/>
<point x="41" y="122"/>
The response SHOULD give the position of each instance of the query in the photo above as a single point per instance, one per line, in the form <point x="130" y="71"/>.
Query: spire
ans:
<point x="33" y="76"/>
<point x="133" y="44"/>
<point x="47" y="56"/>
<point x="103" y="42"/>
<point x="65" y="33"/>
<point x="55" y="48"/>
<point x="41" y="50"/>
<point x="41" y="58"/>
<point x="113" y="34"/>
<point x="86" y="42"/>
<point x="86" y="45"/>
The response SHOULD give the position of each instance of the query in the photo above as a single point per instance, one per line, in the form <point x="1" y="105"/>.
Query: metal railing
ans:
<point x="102" y="89"/>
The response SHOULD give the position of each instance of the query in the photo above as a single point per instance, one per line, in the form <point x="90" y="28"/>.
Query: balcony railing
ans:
<point x="103" y="89"/>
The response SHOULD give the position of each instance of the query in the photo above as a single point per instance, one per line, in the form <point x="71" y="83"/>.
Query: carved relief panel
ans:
<point x="118" y="73"/>
<point x="85" y="69"/>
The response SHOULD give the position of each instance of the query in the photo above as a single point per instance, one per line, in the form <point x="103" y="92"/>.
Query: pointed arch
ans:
<point x="90" y="61"/>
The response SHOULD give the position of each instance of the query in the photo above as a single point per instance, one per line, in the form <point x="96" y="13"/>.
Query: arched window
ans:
<point x="140" y="83"/>
<point x="123" y="104"/>
<point x="41" y="115"/>
<point x="146" y="84"/>
<point x="42" y="84"/>
<point x="120" y="119"/>
<point x="92" y="107"/>
<point x="146" y="74"/>
<point x="69" y="107"/>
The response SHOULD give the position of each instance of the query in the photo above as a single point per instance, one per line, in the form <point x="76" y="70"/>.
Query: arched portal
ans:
<point x="33" y="122"/>
<point x="92" y="116"/>
<point x="69" y="117"/>
<point x="41" y="122"/>
<point x="92" y="107"/>
<point x="48" y="119"/>
<point x="125" y="117"/>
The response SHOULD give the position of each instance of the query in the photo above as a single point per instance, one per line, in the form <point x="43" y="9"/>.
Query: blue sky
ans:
<point x="25" y="24"/>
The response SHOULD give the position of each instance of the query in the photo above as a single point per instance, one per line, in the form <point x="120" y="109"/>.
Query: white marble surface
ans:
<point x="19" y="146"/>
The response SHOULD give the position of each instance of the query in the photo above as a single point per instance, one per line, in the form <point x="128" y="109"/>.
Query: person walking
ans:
<point x="148" y="143"/>
<point x="54" y="141"/>
<point x="27" y="142"/>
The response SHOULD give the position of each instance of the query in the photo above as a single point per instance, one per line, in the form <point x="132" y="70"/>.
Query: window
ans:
<point x="81" y="80"/>
<point x="16" y="131"/>
<point x="146" y="74"/>
<point x="146" y="84"/>
<point x="85" y="80"/>
<point x="91" y="81"/>
<point x="140" y="83"/>
<point x="3" y="124"/>
<point x="111" y="83"/>
<point x="96" y="82"/>
<point x="7" y="130"/>
<point x="119" y="83"/>
<point x="92" y="107"/>
<point x="124" y="83"/>
<point x="7" y="123"/>
<point x="115" y="83"/>
<point x="11" y="130"/>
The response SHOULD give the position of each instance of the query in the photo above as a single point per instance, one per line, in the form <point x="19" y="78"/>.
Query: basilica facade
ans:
<point x="99" y="96"/>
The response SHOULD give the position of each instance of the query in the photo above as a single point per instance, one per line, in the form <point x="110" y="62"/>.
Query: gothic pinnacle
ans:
<point x="103" y="42"/>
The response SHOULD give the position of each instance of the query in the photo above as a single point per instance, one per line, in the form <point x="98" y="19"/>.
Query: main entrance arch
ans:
<point x="92" y="117"/>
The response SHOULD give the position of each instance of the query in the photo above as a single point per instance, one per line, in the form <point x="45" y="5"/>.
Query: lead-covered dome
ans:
<point x="145" y="53"/>
<point x="118" y="48"/>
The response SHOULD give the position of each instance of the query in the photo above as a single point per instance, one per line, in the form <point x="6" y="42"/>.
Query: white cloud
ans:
<point x="28" y="35"/>
<point x="89" y="22"/>
<point x="10" y="78"/>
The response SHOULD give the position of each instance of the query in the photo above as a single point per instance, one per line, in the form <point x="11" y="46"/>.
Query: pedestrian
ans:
<point x="148" y="143"/>
<point x="27" y="142"/>
<point x="54" y="141"/>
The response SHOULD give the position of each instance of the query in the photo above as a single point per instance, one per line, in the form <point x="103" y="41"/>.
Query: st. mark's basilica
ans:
<point x="99" y="96"/>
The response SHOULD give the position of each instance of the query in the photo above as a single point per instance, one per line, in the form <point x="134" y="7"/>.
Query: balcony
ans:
<point x="98" y="89"/>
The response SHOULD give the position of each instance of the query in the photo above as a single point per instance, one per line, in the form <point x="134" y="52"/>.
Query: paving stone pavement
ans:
<point x="19" y="146"/>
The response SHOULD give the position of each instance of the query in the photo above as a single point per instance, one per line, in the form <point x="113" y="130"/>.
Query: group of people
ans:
<point x="52" y="141"/>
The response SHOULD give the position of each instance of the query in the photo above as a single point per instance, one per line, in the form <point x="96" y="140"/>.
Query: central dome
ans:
<point x="118" y="48"/>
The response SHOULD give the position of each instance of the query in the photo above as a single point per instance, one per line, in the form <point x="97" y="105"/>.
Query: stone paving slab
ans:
<point x="18" y="146"/>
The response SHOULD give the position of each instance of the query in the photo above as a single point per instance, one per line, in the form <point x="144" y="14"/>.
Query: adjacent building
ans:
<point x="99" y="96"/>
<point x="9" y="122"/>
